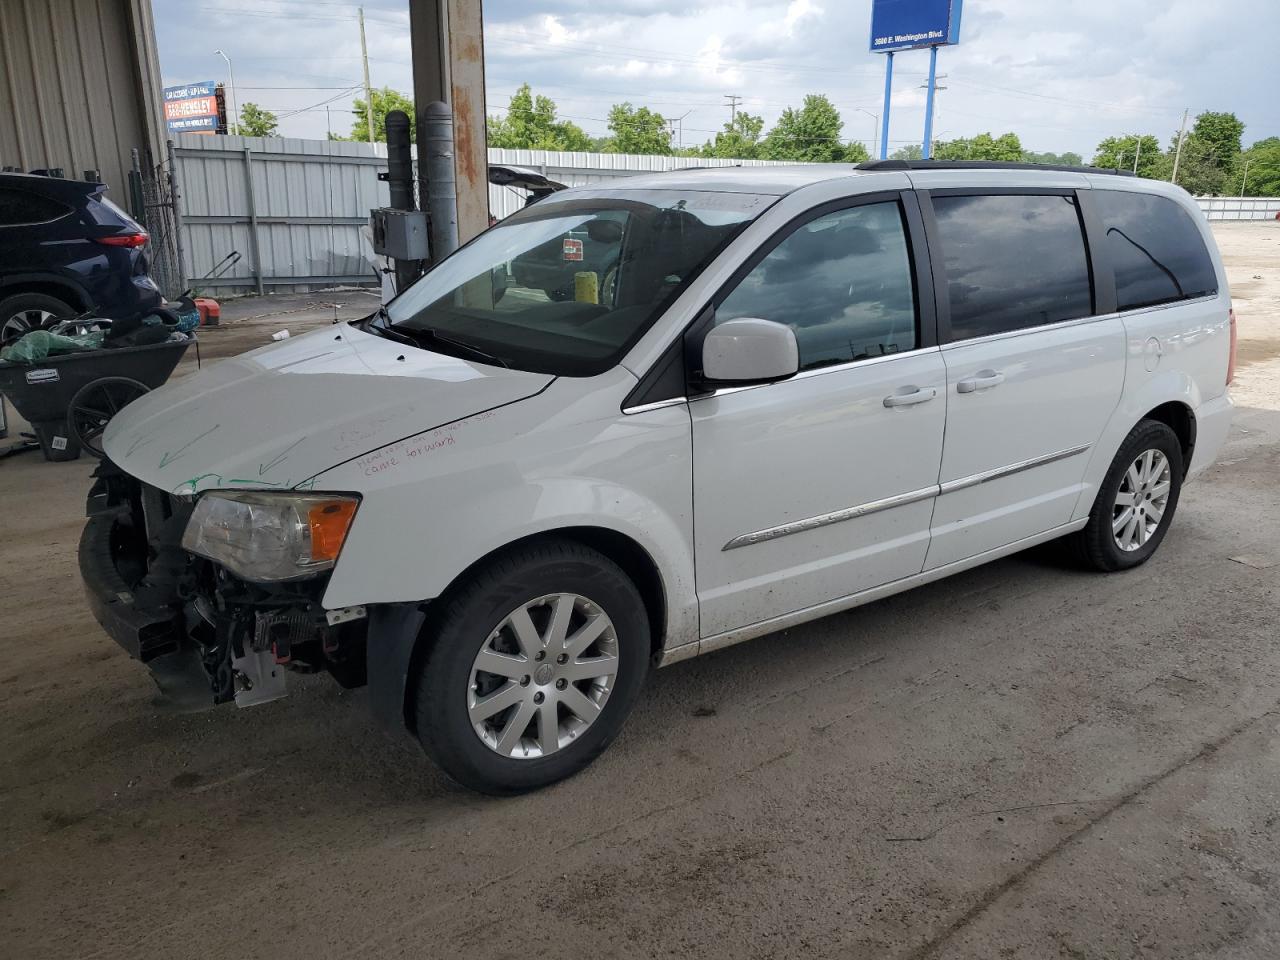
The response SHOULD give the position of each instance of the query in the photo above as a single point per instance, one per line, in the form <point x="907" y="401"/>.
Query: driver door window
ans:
<point x="842" y="281"/>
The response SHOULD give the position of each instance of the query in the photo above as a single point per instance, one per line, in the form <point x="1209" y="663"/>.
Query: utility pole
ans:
<point x="1245" y="178"/>
<point x="932" y="88"/>
<point x="1137" y="153"/>
<point x="1177" y="154"/>
<point x="368" y="91"/>
<point x="734" y="100"/>
<point x="677" y="124"/>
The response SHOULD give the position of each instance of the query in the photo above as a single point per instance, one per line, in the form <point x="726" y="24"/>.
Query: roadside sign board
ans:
<point x="905" y="24"/>
<point x="191" y="108"/>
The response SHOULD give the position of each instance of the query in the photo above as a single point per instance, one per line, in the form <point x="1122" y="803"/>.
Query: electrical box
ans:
<point x="400" y="234"/>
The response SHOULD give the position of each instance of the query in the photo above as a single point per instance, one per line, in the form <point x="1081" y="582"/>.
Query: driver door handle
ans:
<point x="985" y="380"/>
<point x="908" y="399"/>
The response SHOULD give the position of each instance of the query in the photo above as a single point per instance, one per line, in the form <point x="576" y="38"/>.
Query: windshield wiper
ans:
<point x="419" y="334"/>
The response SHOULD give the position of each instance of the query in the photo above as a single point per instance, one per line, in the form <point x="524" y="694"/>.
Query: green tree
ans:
<point x="739" y="140"/>
<point x="1068" y="159"/>
<point x="1210" y="154"/>
<point x="1262" y="177"/>
<point x="912" y="151"/>
<point x="1120" y="152"/>
<point x="637" y="130"/>
<point x="811" y="133"/>
<point x="531" y="124"/>
<point x="384" y="101"/>
<point x="256" y="122"/>
<point x="1221" y="132"/>
<point x="1007" y="146"/>
<point x="856" y="152"/>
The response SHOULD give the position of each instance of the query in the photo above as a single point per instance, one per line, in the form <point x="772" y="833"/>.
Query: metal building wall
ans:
<point x="79" y="86"/>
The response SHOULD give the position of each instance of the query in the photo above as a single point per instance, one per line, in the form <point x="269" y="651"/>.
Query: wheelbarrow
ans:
<point x="69" y="398"/>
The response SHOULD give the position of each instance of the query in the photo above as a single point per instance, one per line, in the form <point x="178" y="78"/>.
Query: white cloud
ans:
<point x="1061" y="76"/>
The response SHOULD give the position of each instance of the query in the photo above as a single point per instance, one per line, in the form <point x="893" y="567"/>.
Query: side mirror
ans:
<point x="749" y="350"/>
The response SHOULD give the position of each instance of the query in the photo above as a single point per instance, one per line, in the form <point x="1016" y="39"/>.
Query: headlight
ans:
<point x="270" y="536"/>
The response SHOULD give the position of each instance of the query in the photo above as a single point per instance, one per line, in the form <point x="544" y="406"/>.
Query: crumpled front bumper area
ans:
<point x="207" y="637"/>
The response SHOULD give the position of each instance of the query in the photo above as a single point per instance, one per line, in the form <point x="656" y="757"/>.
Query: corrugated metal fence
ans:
<point x="1240" y="208"/>
<point x="294" y="208"/>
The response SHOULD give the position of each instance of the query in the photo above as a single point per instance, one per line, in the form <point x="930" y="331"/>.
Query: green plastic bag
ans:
<point x="39" y="344"/>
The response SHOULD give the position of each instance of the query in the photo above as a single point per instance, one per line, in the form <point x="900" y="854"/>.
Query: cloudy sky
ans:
<point x="1062" y="75"/>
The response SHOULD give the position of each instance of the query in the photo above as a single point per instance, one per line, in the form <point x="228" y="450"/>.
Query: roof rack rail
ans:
<point x="985" y="165"/>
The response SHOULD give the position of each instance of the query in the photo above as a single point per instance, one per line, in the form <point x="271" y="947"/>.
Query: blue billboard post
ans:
<point x="908" y="25"/>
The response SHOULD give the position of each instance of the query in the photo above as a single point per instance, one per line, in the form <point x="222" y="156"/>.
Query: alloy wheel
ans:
<point x="542" y="677"/>
<point x="23" y="322"/>
<point x="1141" y="500"/>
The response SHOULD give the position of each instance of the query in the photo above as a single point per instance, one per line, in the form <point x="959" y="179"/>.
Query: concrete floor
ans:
<point x="1023" y="761"/>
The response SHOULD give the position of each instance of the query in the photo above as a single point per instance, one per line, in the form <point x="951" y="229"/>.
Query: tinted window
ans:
<point x="1155" y="249"/>
<point x="1012" y="262"/>
<point x="841" y="281"/>
<point x="17" y="207"/>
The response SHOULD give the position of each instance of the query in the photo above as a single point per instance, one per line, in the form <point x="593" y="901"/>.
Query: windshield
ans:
<point x="567" y="286"/>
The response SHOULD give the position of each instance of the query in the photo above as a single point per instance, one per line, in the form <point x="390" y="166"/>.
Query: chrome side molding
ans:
<point x="963" y="483"/>
<point x="839" y="516"/>
<point x="902" y="499"/>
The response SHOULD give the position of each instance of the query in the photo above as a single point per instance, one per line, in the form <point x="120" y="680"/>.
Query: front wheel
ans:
<point x="533" y="667"/>
<point x="1136" y="502"/>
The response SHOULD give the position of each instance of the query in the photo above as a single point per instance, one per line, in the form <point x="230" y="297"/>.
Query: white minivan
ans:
<point x="643" y="420"/>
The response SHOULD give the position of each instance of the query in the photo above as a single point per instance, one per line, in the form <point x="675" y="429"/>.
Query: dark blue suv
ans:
<point x="64" y="249"/>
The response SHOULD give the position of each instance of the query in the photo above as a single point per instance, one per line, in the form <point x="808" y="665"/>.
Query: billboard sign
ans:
<point x="191" y="108"/>
<point x="904" y="24"/>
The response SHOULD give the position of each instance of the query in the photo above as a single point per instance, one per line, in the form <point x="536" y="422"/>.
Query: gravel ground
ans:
<point x="1023" y="761"/>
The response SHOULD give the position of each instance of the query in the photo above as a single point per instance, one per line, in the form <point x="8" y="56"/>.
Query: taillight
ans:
<point x="1231" y="361"/>
<point x="124" y="240"/>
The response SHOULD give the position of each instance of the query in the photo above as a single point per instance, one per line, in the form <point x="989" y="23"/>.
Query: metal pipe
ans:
<point x="400" y="184"/>
<point x="442" y="192"/>
<point x="175" y="197"/>
<point x="254" y="243"/>
<point x="399" y="161"/>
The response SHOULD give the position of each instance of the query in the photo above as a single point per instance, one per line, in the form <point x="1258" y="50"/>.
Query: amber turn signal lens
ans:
<point x="329" y="522"/>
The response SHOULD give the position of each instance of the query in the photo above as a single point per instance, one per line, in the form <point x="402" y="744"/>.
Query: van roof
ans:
<point x="781" y="179"/>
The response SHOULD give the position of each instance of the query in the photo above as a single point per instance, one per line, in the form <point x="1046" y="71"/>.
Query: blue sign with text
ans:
<point x="903" y="24"/>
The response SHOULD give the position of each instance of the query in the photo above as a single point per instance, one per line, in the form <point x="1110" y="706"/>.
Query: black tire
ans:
<point x="1096" y="545"/>
<point x="465" y="623"/>
<point x="13" y="324"/>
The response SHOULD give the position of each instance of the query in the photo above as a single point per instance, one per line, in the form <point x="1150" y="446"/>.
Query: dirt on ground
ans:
<point x="1021" y="761"/>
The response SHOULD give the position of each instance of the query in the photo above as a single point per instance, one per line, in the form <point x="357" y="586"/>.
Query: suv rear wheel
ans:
<point x="24" y="312"/>
<point x="1136" y="501"/>
<point x="533" y="668"/>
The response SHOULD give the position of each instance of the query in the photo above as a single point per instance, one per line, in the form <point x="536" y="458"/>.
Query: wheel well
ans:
<point x="1179" y="418"/>
<point x="50" y="288"/>
<point x="618" y="547"/>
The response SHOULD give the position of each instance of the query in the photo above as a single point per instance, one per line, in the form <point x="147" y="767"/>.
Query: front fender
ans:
<point x="446" y="500"/>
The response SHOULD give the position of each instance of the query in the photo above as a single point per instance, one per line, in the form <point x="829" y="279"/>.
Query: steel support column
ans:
<point x="447" y="44"/>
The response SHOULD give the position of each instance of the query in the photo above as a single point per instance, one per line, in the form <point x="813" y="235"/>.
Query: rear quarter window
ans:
<point x="19" y="208"/>
<point x="1155" y="249"/>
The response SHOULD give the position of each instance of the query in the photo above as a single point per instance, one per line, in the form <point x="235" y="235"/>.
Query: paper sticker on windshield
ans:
<point x="572" y="249"/>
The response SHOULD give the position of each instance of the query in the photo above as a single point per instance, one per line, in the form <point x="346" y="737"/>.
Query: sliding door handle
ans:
<point x="913" y="396"/>
<point x="985" y="380"/>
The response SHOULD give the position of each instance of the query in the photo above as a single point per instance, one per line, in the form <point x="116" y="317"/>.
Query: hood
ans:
<point x="279" y="415"/>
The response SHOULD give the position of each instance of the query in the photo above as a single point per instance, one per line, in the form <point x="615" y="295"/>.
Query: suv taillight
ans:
<point x="124" y="240"/>
<point x="1231" y="362"/>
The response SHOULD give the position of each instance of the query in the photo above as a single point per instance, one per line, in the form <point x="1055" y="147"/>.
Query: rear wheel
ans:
<point x="1136" y="501"/>
<point x="24" y="312"/>
<point x="533" y="668"/>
